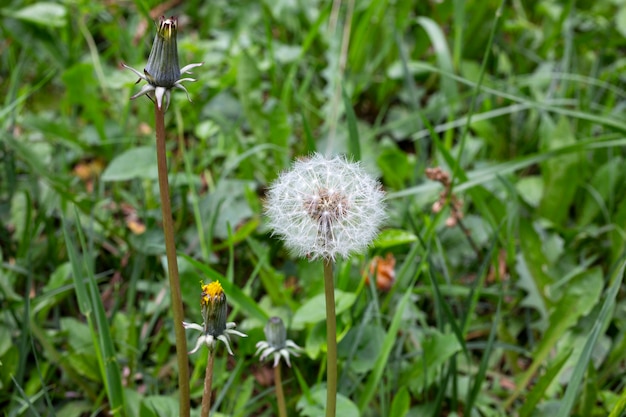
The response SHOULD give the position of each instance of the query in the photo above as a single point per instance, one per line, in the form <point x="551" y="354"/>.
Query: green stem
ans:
<point x="280" y="395"/>
<point x="208" y="384"/>
<point x="331" y="340"/>
<point x="172" y="264"/>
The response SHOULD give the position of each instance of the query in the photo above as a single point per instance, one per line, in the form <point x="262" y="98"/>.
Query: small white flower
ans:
<point x="277" y="342"/>
<point x="214" y="328"/>
<point x="324" y="208"/>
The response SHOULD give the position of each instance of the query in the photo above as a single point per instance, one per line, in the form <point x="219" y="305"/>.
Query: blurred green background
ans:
<point x="506" y="302"/>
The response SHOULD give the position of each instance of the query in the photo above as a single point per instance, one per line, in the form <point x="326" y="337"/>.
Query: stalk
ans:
<point x="280" y="395"/>
<point x="331" y="340"/>
<point x="208" y="384"/>
<point x="172" y="264"/>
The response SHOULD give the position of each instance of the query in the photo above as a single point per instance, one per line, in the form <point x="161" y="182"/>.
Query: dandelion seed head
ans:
<point x="324" y="208"/>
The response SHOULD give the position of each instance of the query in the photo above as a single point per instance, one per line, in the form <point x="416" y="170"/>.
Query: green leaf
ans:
<point x="43" y="13"/>
<point x="530" y="189"/>
<point x="362" y="346"/>
<point x="601" y="190"/>
<point x="444" y="58"/>
<point x="401" y="403"/>
<point x="542" y="384"/>
<point x="314" y="310"/>
<point x="599" y="326"/>
<point x="381" y="362"/>
<point x="530" y="266"/>
<point x="559" y="173"/>
<point x="437" y="349"/>
<point x="389" y="238"/>
<point x="578" y="298"/>
<point x="138" y="162"/>
<point x="159" y="406"/>
<point x="316" y="407"/>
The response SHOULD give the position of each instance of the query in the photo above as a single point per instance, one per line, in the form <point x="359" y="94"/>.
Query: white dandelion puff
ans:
<point x="324" y="208"/>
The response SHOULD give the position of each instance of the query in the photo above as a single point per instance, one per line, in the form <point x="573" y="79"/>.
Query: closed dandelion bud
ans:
<point x="162" y="71"/>
<point x="275" y="332"/>
<point x="324" y="208"/>
<point x="162" y="68"/>
<point x="277" y="343"/>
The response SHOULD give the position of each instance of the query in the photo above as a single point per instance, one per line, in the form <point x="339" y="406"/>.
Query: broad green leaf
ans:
<point x="75" y="409"/>
<point x="531" y="266"/>
<point x="314" y="310"/>
<point x="43" y="13"/>
<point x="389" y="238"/>
<point x="361" y="347"/>
<point x="530" y="189"/>
<point x="437" y="349"/>
<point x="579" y="297"/>
<point x="160" y="406"/>
<point x="560" y="174"/>
<point x="600" y="191"/>
<point x="140" y="162"/>
<point x="401" y="403"/>
<point x="345" y="407"/>
<point x="599" y="326"/>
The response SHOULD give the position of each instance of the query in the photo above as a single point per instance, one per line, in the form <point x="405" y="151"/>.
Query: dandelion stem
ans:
<point x="172" y="263"/>
<point x="331" y="340"/>
<point x="208" y="384"/>
<point x="280" y="395"/>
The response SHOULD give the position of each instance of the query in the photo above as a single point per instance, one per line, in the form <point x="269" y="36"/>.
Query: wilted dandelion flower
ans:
<point x="214" y="312"/>
<point x="277" y="342"/>
<point x="324" y="208"/>
<point x="162" y="71"/>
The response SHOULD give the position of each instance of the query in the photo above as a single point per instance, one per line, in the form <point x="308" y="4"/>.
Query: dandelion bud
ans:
<point x="214" y="312"/>
<point x="275" y="332"/>
<point x="277" y="343"/>
<point x="162" y="71"/>
<point x="162" y="68"/>
<point x="324" y="208"/>
<point x="214" y="309"/>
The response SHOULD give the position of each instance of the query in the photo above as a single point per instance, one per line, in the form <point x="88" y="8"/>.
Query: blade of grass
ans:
<point x="390" y="339"/>
<point x="354" y="147"/>
<point x="484" y="362"/>
<point x="539" y="389"/>
<point x="571" y="392"/>
<point x="90" y="305"/>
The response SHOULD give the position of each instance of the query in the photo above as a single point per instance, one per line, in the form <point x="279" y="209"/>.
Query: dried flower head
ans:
<point x="162" y="71"/>
<point x="324" y="208"/>
<point x="214" y="312"/>
<point x="277" y="343"/>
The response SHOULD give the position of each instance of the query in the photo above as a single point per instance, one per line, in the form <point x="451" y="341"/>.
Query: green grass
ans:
<point x="514" y="310"/>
